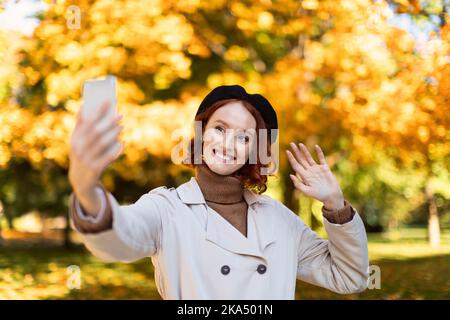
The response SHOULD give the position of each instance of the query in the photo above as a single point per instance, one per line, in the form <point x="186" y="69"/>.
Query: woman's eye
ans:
<point x="243" y="138"/>
<point x="220" y="129"/>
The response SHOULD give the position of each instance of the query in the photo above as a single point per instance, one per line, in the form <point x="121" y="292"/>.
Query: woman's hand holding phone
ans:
<point x="94" y="146"/>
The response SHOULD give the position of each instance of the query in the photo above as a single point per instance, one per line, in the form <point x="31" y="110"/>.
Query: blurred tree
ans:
<point x="339" y="74"/>
<point x="365" y="85"/>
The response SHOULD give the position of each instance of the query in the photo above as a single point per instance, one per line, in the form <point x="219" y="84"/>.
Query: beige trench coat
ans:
<point x="197" y="254"/>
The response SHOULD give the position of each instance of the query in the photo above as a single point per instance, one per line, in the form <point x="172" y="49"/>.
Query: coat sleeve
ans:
<point x="341" y="263"/>
<point x="87" y="224"/>
<point x="136" y="228"/>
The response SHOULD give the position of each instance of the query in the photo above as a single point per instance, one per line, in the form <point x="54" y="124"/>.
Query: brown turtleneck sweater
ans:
<point x="224" y="194"/>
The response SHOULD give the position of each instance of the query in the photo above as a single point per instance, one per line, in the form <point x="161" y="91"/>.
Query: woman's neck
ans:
<point x="217" y="188"/>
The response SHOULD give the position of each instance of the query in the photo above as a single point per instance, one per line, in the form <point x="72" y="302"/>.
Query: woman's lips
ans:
<point x="223" y="158"/>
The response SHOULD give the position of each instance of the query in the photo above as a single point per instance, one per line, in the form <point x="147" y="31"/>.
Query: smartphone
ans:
<point x="95" y="93"/>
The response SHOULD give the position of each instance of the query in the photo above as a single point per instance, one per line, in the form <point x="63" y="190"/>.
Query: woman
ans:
<point x="216" y="236"/>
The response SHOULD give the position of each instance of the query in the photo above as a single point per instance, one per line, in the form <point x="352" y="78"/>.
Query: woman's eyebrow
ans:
<point x="228" y="126"/>
<point x="222" y="122"/>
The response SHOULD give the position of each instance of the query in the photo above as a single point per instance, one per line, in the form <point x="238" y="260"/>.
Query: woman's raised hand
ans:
<point x="94" y="145"/>
<point x="313" y="179"/>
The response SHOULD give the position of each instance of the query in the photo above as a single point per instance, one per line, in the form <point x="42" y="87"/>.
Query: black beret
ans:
<point x="237" y="92"/>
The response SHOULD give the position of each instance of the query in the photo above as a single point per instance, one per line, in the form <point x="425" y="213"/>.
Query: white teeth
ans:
<point x="223" y="157"/>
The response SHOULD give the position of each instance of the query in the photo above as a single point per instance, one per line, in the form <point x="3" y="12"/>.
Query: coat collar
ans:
<point x="219" y="231"/>
<point x="190" y="193"/>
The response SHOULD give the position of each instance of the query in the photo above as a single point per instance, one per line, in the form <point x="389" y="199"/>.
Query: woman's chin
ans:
<point x="223" y="168"/>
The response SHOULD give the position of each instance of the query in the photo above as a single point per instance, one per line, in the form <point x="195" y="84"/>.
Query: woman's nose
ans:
<point x="229" y="143"/>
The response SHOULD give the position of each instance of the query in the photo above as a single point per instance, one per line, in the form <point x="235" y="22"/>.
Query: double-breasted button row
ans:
<point x="226" y="269"/>
<point x="261" y="269"/>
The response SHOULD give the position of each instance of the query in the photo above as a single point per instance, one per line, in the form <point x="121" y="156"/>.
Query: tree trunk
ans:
<point x="306" y="210"/>
<point x="9" y="223"/>
<point x="2" y="209"/>
<point x="289" y="198"/>
<point x="434" y="233"/>
<point x="67" y="242"/>
<point x="9" y="219"/>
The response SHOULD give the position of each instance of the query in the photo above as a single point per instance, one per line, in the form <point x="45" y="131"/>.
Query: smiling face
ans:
<point x="228" y="138"/>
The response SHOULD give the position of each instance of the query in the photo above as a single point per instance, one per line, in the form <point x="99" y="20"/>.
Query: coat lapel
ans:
<point x="260" y="231"/>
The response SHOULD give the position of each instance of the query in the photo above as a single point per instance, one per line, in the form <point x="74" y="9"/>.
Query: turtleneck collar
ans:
<point x="217" y="188"/>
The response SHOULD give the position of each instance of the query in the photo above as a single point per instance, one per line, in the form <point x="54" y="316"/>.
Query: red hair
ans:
<point x="249" y="174"/>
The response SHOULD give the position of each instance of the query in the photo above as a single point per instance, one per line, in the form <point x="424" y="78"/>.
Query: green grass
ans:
<point x="409" y="270"/>
<point x="41" y="273"/>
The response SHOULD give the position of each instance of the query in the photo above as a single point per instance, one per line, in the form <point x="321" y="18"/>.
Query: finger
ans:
<point x="76" y="140"/>
<point x="301" y="179"/>
<point x="298" y="155"/>
<point x="307" y="155"/>
<point x="99" y="114"/>
<point x="102" y="110"/>
<point x="79" y="118"/>
<point x="111" y="155"/>
<point x="293" y="161"/>
<point x="106" y="141"/>
<point x="78" y="121"/>
<point x="321" y="156"/>
<point x="104" y="126"/>
<point x="296" y="166"/>
<point x="300" y="185"/>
